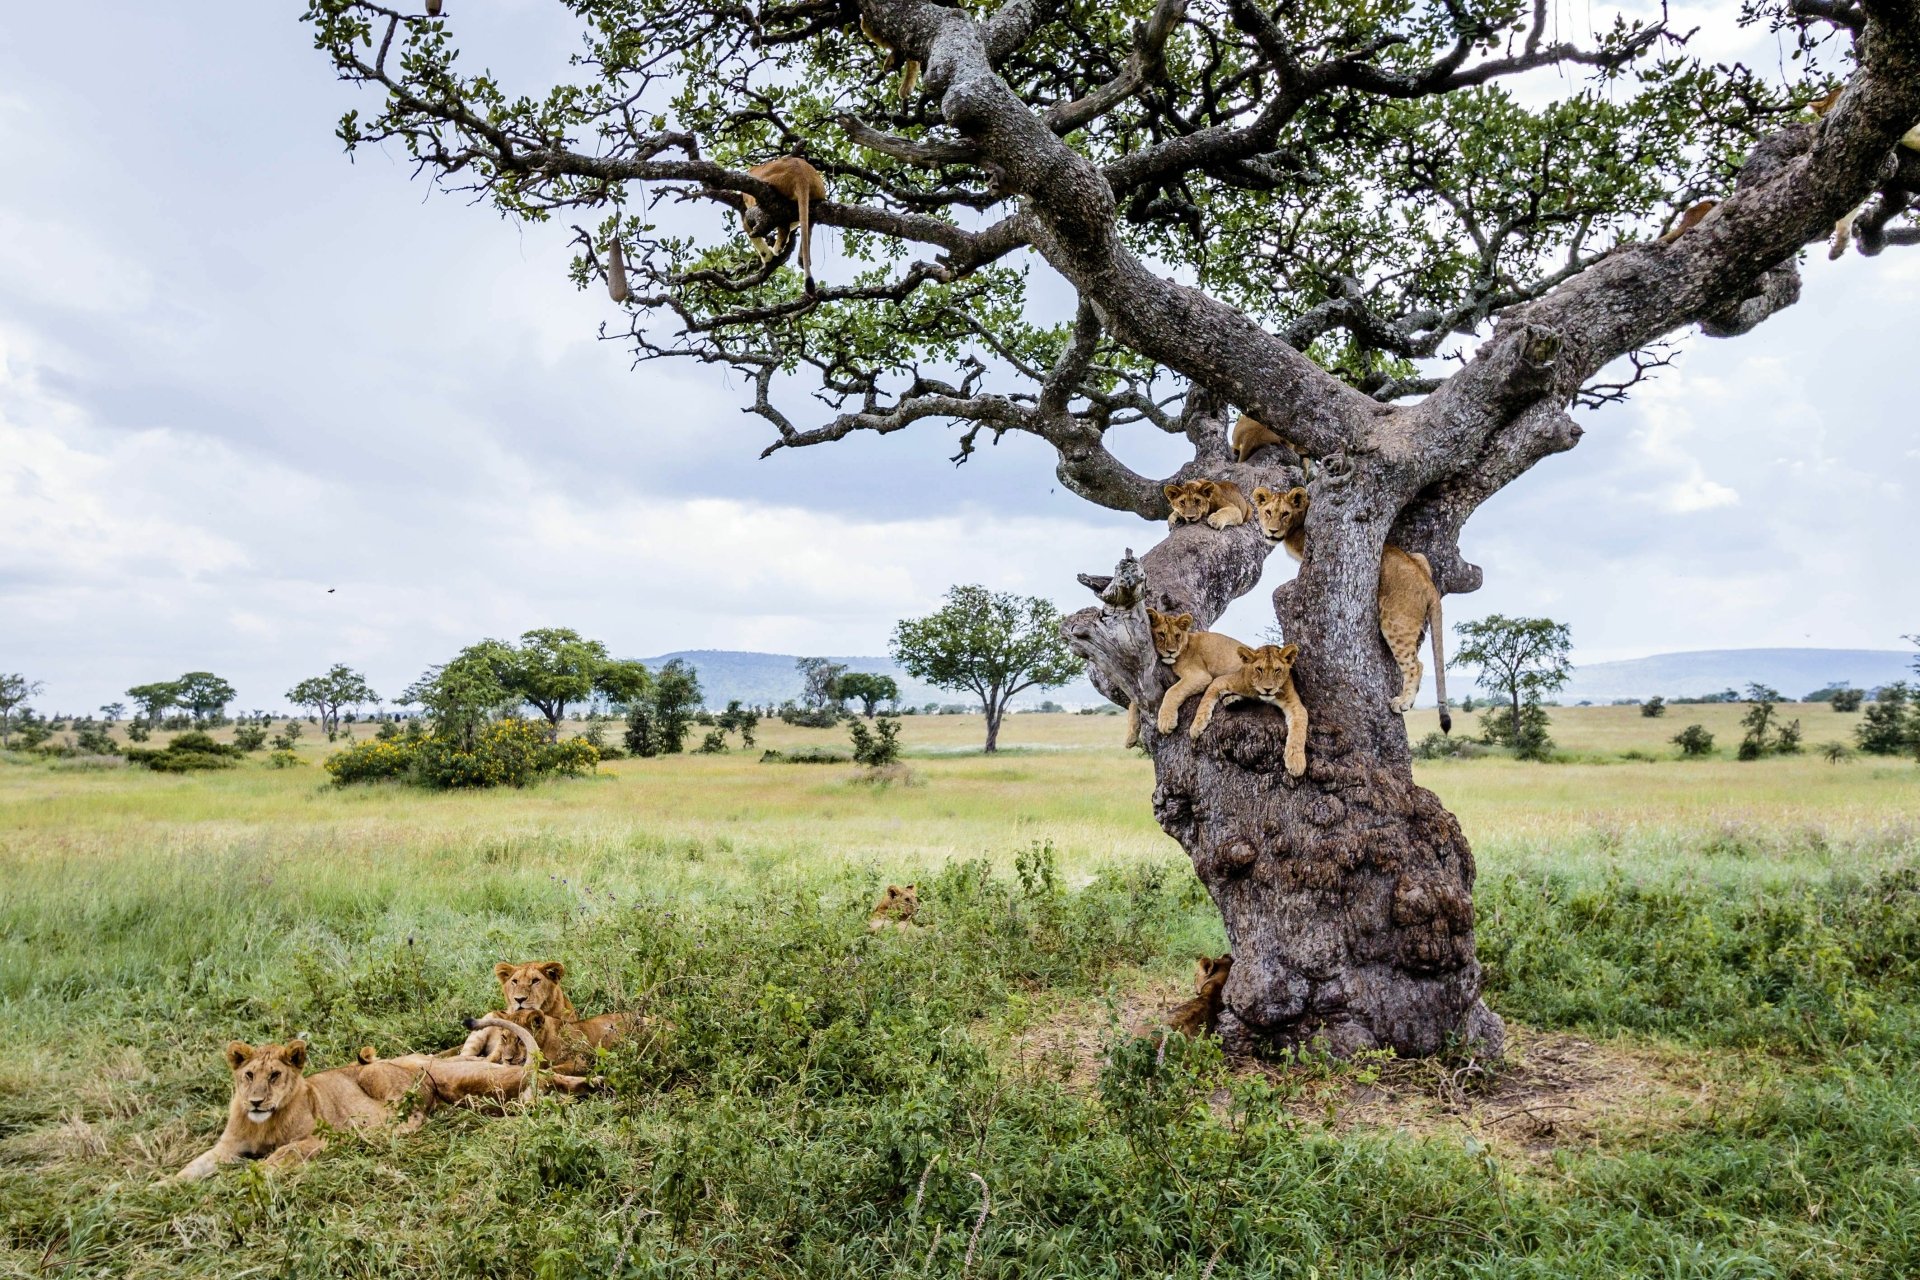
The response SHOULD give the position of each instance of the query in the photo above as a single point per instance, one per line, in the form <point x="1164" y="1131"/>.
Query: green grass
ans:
<point x="830" y="1093"/>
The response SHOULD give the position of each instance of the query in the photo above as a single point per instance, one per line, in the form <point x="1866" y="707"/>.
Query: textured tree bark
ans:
<point x="1347" y="893"/>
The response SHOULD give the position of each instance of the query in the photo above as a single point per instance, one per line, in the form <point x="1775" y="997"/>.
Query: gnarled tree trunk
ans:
<point x="1347" y="893"/>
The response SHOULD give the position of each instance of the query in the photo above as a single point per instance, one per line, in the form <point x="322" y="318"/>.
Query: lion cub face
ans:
<point x="1192" y="502"/>
<point x="1170" y="632"/>
<point x="1279" y="513"/>
<point x="264" y="1079"/>
<point x="1268" y="670"/>
<point x="535" y="985"/>
<point x="898" y="903"/>
<point x="1210" y="974"/>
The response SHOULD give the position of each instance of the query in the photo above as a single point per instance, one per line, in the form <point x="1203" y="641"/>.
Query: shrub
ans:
<point x="1529" y="740"/>
<point x="137" y="730"/>
<point x="1886" y="728"/>
<point x="1694" y="740"/>
<point x="809" y="718"/>
<point x="1787" y="739"/>
<point x="285" y="760"/>
<point x="1836" y="752"/>
<point x="805" y="755"/>
<point x="1847" y="699"/>
<point x="879" y="746"/>
<point x="96" y="741"/>
<point x="250" y="737"/>
<point x="1653" y="708"/>
<point x="284" y="740"/>
<point x="31" y="734"/>
<point x="714" y="742"/>
<point x="508" y="753"/>
<point x="1440" y="746"/>
<point x="187" y="753"/>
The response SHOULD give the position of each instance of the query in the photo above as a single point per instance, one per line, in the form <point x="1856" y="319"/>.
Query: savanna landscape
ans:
<point x="1709" y="967"/>
<point x="1402" y="866"/>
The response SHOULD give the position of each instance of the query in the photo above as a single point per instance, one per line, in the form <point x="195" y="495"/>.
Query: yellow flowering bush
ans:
<point x="505" y="753"/>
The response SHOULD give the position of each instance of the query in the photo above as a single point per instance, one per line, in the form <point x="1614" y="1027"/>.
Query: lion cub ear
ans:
<point x="537" y="1021"/>
<point x="294" y="1053"/>
<point x="1246" y="654"/>
<point x="1171" y="490"/>
<point x="502" y="971"/>
<point x="238" y="1051"/>
<point x="1184" y="621"/>
<point x="1297" y="498"/>
<point x="554" y="970"/>
<point x="1262" y="494"/>
<point x="1288" y="652"/>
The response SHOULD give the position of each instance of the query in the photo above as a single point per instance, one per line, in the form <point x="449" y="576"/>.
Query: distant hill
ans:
<point x="771" y="678"/>
<point x="1794" y="672"/>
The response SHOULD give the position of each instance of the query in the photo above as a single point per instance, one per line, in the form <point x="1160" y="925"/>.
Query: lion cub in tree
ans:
<point x="1210" y="662"/>
<point x="1218" y="502"/>
<point x="1250" y="435"/>
<point x="1265" y="675"/>
<point x="1409" y="601"/>
<point x="896" y="908"/>
<point x="1200" y="1015"/>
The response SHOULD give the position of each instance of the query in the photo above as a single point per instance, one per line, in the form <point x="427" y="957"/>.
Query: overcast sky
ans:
<point x="237" y="370"/>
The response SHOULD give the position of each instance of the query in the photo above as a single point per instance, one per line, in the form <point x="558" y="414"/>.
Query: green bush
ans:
<point x="188" y="753"/>
<point x="1653" y="708"/>
<point x="285" y="760"/>
<point x="509" y="753"/>
<point x="1441" y="746"/>
<point x="714" y="743"/>
<point x="94" y="740"/>
<point x="879" y="746"/>
<point x="250" y="737"/>
<point x="1694" y="740"/>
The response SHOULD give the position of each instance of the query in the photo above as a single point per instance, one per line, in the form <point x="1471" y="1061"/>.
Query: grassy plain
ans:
<point x="1726" y="954"/>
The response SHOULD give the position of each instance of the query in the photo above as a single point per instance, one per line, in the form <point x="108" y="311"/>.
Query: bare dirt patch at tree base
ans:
<point x="1553" y="1091"/>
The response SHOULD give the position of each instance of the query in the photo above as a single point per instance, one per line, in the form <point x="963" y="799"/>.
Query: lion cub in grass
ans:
<point x="1200" y="1015"/>
<point x="535" y="985"/>
<point x="1218" y="502"/>
<point x="896" y="908"/>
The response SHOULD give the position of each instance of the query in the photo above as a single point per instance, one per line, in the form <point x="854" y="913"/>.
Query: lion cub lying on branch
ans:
<point x="1217" y="502"/>
<point x="1223" y="668"/>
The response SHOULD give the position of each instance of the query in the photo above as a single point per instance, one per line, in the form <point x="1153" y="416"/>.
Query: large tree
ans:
<point x="205" y="694"/>
<point x="555" y="667"/>
<point x="154" y="699"/>
<point x="992" y="644"/>
<point x="1345" y="220"/>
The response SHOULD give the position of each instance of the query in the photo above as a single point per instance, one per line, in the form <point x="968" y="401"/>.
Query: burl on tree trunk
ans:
<point x="1347" y="893"/>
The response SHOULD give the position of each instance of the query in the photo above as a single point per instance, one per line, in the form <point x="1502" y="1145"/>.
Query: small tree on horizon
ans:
<point x="204" y="695"/>
<point x="993" y="644"/>
<point x="870" y="688"/>
<point x="820" y="683"/>
<point x="154" y="699"/>
<point x="326" y="695"/>
<point x="15" y="689"/>
<point x="1522" y="659"/>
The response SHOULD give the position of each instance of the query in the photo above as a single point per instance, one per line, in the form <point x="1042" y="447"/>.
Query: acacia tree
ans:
<point x="992" y="644"/>
<point x="870" y="688"/>
<point x="204" y="694"/>
<point x="15" y="692"/>
<point x="154" y="699"/>
<point x="327" y="695"/>
<point x="556" y="666"/>
<point x="1289" y="211"/>
<point x="1523" y="658"/>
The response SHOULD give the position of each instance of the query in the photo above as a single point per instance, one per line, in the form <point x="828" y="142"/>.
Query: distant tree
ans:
<point x="820" y="684"/>
<point x="326" y="695"/>
<point x="1653" y="708"/>
<point x="1786" y="739"/>
<point x="462" y="696"/>
<point x="250" y="737"/>
<point x="658" y="723"/>
<point x="1758" y="721"/>
<point x="1524" y="659"/>
<point x="204" y="694"/>
<point x="554" y="667"/>
<point x="154" y="699"/>
<point x="744" y="719"/>
<point x="993" y="644"/>
<point x="1836" y="752"/>
<point x="1887" y="727"/>
<point x="1846" y="700"/>
<point x="15" y="691"/>
<point x="869" y="689"/>
<point x="112" y="711"/>
<point x="1694" y="740"/>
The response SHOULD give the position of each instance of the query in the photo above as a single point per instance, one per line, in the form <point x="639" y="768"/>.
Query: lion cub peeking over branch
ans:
<point x="1218" y="502"/>
<point x="1265" y="675"/>
<point x="1409" y="600"/>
